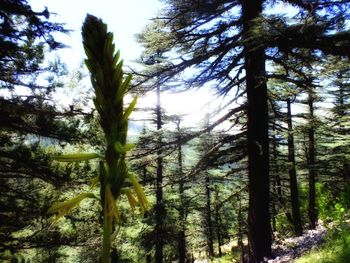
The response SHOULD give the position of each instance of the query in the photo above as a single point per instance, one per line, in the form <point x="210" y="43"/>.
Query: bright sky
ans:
<point x="124" y="18"/>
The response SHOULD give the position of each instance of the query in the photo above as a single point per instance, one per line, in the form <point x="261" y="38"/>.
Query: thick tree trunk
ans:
<point x="311" y="163"/>
<point x="259" y="228"/>
<point x="293" y="184"/>
<point x="160" y="210"/>
<point x="182" y="216"/>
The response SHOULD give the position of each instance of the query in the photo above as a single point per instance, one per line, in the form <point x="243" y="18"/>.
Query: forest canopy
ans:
<point x="112" y="178"/>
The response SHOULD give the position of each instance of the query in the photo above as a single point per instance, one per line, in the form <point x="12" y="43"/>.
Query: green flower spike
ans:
<point x="110" y="86"/>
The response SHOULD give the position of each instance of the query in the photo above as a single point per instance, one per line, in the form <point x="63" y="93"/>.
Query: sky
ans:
<point x="124" y="18"/>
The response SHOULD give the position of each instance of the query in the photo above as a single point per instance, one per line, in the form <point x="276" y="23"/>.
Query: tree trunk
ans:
<point x="210" y="236"/>
<point x="240" y="228"/>
<point x="341" y="113"/>
<point x="114" y="256"/>
<point x="293" y="184"/>
<point x="160" y="210"/>
<point x="276" y="183"/>
<point x="182" y="216"/>
<point x="218" y="221"/>
<point x="259" y="228"/>
<point x="311" y="162"/>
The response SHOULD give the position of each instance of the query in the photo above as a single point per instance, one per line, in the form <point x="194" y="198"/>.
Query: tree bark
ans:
<point x="293" y="183"/>
<point x="311" y="162"/>
<point x="160" y="210"/>
<point x="240" y="228"/>
<point x="114" y="256"/>
<point x="276" y="183"/>
<point x="182" y="216"/>
<point x="218" y="221"/>
<point x="210" y="235"/>
<point x="259" y="228"/>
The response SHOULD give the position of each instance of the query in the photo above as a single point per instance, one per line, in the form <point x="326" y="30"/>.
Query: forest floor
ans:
<point x="287" y="250"/>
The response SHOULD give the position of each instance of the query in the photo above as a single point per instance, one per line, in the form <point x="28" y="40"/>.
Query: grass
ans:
<point x="336" y="249"/>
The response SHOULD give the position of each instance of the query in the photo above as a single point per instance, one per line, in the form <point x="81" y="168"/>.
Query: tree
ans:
<point x="182" y="248"/>
<point x="25" y="35"/>
<point x="277" y="163"/>
<point x="220" y="39"/>
<point x="259" y="232"/>
<point x="294" y="195"/>
<point x="159" y="161"/>
<point x="280" y="93"/>
<point x="331" y="140"/>
<point x="206" y="142"/>
<point x="335" y="134"/>
<point x="30" y="123"/>
<point x="160" y="207"/>
<point x="311" y="159"/>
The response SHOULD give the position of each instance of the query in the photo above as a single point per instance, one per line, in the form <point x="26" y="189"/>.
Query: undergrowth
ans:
<point x="336" y="248"/>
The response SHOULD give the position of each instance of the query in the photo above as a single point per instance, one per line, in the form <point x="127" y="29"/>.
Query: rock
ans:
<point x="289" y="249"/>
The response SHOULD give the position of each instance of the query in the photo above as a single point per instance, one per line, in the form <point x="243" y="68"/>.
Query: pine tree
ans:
<point x="218" y="40"/>
<point x="292" y="175"/>
<point x="336" y="141"/>
<point x="160" y="207"/>
<point x="30" y="123"/>
<point x="281" y="97"/>
<point x="182" y="248"/>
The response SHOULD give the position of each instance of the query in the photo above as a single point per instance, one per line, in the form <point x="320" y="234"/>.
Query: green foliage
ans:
<point x="333" y="206"/>
<point x="25" y="36"/>
<point x="283" y="225"/>
<point x="30" y="122"/>
<point x="336" y="248"/>
<point x="208" y="36"/>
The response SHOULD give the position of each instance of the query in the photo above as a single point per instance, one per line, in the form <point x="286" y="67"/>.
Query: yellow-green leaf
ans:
<point x="123" y="87"/>
<point x="116" y="58"/>
<point x="129" y="109"/>
<point x="94" y="181"/>
<point x="119" y="148"/>
<point x="63" y="208"/>
<point x="75" y="157"/>
<point x="112" y="209"/>
<point x="123" y="149"/>
<point x="139" y="192"/>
